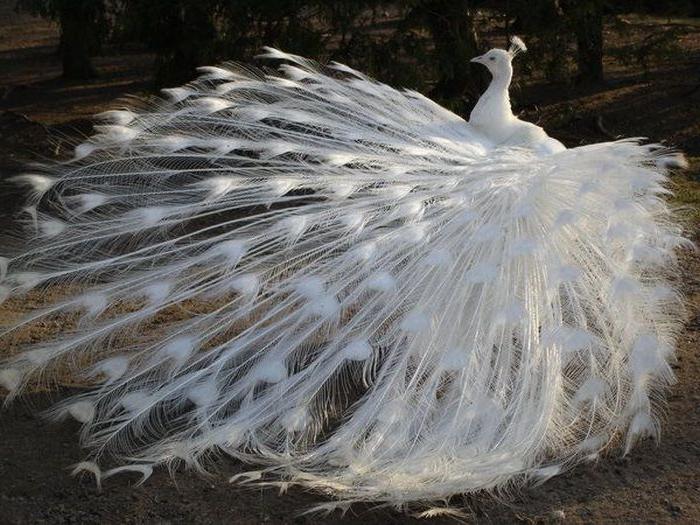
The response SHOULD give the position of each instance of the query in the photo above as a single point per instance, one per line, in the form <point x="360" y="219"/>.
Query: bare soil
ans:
<point x="657" y="483"/>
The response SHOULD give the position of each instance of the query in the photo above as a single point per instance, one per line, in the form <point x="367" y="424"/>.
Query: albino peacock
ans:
<point x="349" y="285"/>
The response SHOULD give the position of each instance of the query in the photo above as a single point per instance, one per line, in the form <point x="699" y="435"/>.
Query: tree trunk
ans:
<point x="451" y="24"/>
<point x="78" y="38"/>
<point x="190" y="42"/>
<point x="588" y="25"/>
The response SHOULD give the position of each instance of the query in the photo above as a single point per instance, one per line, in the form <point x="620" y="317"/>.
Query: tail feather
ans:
<point x="347" y="283"/>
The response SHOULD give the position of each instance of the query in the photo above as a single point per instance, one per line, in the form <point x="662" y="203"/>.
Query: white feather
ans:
<point x="82" y="411"/>
<point x="178" y="94"/>
<point x="157" y="292"/>
<point x="113" y="368"/>
<point x="83" y="150"/>
<point x="246" y="284"/>
<point x="94" y="303"/>
<point x="357" y="350"/>
<point x="120" y="117"/>
<point x="116" y="133"/>
<point x="52" y="227"/>
<point x="179" y="349"/>
<point x="10" y="379"/>
<point x="210" y="105"/>
<point x="90" y="201"/>
<point x="517" y="46"/>
<point x="232" y="250"/>
<point x="38" y="184"/>
<point x="270" y="372"/>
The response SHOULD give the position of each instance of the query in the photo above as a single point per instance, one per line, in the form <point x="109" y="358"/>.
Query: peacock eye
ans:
<point x="492" y="58"/>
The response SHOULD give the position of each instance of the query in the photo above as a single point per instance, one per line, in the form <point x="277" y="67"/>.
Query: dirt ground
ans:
<point x="656" y="483"/>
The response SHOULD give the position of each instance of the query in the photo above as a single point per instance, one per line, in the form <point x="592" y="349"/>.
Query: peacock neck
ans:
<point x="493" y="111"/>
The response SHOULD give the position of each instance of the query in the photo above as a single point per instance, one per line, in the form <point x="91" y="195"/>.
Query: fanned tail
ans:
<point x="346" y="283"/>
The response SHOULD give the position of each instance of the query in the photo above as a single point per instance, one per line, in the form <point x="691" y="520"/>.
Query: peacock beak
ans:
<point x="478" y="59"/>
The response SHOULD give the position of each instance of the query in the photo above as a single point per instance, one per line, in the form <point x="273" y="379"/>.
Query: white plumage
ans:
<point x="351" y="285"/>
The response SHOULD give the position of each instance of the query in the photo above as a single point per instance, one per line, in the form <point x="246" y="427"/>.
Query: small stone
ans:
<point x="672" y="507"/>
<point x="557" y="516"/>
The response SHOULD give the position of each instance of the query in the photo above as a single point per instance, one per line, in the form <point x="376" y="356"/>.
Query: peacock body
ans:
<point x="349" y="285"/>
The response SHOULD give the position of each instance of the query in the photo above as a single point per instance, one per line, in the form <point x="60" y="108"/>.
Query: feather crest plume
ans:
<point x="517" y="46"/>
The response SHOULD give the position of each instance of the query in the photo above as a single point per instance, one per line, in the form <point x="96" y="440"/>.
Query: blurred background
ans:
<point x="61" y="60"/>
<point x="596" y="70"/>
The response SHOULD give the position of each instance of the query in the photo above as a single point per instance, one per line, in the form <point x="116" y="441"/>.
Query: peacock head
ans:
<point x="498" y="61"/>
